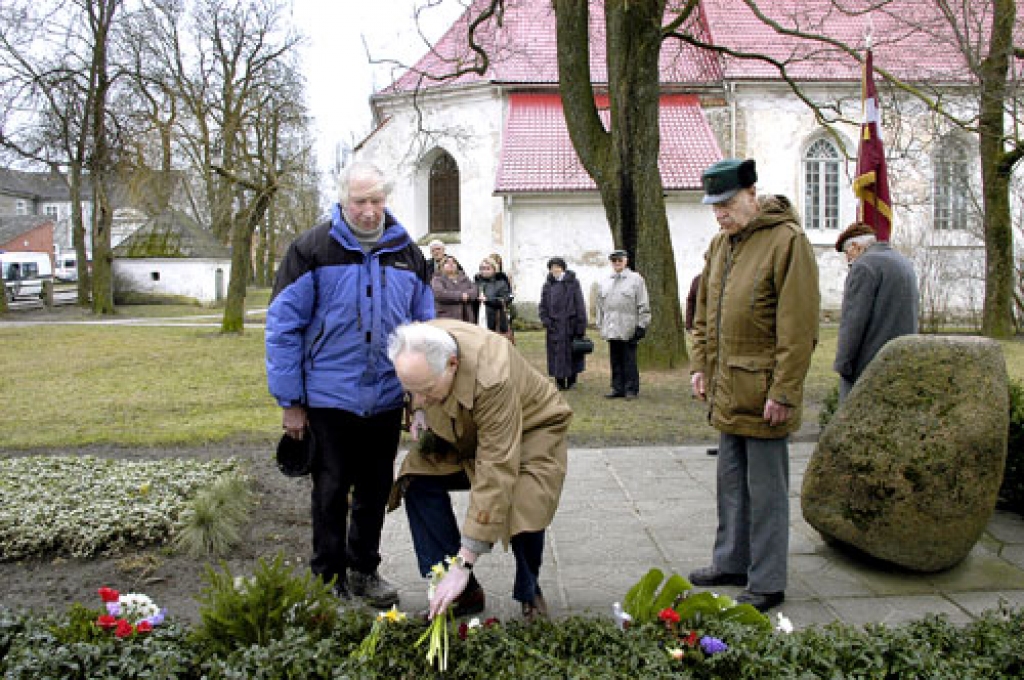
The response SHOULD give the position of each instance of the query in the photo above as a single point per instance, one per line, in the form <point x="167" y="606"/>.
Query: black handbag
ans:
<point x="582" y="345"/>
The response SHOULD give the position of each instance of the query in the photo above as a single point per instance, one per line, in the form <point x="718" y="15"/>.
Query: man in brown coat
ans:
<point x="498" y="428"/>
<point x="755" y="329"/>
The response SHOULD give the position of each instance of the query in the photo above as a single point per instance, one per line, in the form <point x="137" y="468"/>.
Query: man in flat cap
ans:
<point x="880" y="302"/>
<point x="755" y="328"/>
<point x="623" y="314"/>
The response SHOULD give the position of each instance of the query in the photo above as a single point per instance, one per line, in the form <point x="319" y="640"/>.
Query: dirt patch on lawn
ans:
<point x="280" y="523"/>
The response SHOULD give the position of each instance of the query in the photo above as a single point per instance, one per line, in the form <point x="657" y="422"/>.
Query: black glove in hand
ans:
<point x="639" y="333"/>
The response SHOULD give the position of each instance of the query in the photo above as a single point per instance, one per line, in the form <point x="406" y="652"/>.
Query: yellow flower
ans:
<point x="393" y="615"/>
<point x="144" y="489"/>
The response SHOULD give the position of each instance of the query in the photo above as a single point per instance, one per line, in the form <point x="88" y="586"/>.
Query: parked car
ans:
<point x="24" y="273"/>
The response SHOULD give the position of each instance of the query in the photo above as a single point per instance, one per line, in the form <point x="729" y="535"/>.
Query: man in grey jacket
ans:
<point x="623" y="314"/>
<point x="880" y="302"/>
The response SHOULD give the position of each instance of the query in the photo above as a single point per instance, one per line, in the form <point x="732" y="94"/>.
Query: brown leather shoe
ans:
<point x="536" y="610"/>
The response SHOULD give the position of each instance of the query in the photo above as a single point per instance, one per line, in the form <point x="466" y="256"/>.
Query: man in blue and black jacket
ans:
<point x="340" y="291"/>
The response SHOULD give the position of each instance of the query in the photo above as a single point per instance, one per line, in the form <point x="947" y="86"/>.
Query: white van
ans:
<point x="67" y="267"/>
<point x="24" y="273"/>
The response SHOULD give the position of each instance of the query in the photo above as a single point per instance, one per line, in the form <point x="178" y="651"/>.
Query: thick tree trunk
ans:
<point x="100" y="164"/>
<point x="624" y="161"/>
<point x="997" y="320"/>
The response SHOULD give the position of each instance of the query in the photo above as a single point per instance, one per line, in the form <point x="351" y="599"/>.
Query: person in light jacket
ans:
<point x="564" y="316"/>
<point x="623" y="314"/>
<point x="500" y="430"/>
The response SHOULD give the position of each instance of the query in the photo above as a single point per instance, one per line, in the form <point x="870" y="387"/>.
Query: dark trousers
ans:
<point x="753" y="510"/>
<point x="625" y="375"/>
<point x="435" y="533"/>
<point x="353" y="454"/>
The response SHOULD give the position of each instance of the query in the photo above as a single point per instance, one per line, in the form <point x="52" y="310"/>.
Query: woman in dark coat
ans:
<point x="564" y="315"/>
<point x="455" y="296"/>
<point x="495" y="295"/>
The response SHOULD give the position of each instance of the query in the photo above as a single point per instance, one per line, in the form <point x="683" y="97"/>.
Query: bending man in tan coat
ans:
<point x="497" y="427"/>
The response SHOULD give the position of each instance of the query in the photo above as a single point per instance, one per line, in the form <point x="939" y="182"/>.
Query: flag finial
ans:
<point x="869" y="32"/>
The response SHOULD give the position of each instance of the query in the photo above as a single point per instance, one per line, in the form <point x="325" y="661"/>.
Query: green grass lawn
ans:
<point x="69" y="386"/>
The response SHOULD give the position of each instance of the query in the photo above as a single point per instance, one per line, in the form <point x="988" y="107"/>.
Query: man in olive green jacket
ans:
<point x="499" y="429"/>
<point x="755" y="328"/>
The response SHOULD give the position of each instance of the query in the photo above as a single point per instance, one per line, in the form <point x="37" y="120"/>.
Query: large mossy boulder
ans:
<point x="909" y="468"/>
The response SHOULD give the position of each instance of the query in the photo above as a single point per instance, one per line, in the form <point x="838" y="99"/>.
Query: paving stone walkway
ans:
<point x="625" y="510"/>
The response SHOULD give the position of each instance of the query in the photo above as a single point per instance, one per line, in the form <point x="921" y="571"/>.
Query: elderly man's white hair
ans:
<point x="436" y="345"/>
<point x="864" y="240"/>
<point x="361" y="170"/>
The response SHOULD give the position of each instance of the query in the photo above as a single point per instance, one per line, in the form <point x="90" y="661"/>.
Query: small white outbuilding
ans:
<point x="173" y="255"/>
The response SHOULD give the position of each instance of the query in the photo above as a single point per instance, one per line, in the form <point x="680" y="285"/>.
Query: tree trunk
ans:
<point x="101" y="18"/>
<point x="78" y="235"/>
<point x="624" y="161"/>
<point x="997" y="321"/>
<point x="241" y="261"/>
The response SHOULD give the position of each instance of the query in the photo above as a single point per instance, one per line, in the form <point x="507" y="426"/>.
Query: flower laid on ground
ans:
<point x="669" y="616"/>
<point x="465" y="628"/>
<point x="622" y="619"/>
<point x="367" y="649"/>
<point x="784" y="625"/>
<point x="437" y="629"/>
<point x="129" y="614"/>
<point x="712" y="645"/>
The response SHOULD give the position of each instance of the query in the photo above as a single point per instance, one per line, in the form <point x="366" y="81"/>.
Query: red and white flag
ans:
<point x="872" y="181"/>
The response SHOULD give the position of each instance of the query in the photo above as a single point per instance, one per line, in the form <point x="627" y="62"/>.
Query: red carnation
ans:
<point x="144" y="627"/>
<point x="106" y="622"/>
<point x="109" y="595"/>
<point x="124" y="629"/>
<point x="669" y="615"/>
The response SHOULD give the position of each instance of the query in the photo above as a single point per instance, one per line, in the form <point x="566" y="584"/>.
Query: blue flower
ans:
<point x="712" y="645"/>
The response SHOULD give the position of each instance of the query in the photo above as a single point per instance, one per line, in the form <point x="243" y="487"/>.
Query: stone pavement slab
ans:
<point x="626" y="510"/>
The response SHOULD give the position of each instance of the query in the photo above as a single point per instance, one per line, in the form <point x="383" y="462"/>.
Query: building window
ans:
<point x="21" y="207"/>
<point x="951" y="185"/>
<point x="51" y="211"/>
<point x="444" y="194"/>
<point x="821" y="185"/>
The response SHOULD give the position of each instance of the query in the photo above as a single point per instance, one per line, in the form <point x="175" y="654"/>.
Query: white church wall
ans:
<point x="466" y="123"/>
<point x="772" y="126"/>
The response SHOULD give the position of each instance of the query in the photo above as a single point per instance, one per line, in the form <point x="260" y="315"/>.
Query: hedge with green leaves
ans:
<point x="992" y="647"/>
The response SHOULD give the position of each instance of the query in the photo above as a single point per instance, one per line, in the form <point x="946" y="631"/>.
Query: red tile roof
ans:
<point x="522" y="45"/>
<point x="537" y="154"/>
<point x="522" y="49"/>
<point x="910" y="38"/>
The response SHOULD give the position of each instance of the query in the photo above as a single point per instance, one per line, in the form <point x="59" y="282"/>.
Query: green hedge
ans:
<point x="991" y="648"/>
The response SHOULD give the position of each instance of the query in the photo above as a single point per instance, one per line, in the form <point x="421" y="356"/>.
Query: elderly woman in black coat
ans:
<point x="564" y="315"/>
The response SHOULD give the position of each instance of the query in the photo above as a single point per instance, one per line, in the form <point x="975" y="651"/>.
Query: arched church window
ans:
<point x="443" y="194"/>
<point x="821" y="185"/>
<point x="951" y="184"/>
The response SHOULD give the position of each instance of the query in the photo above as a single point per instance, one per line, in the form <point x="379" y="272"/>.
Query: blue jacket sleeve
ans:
<point x="288" y="317"/>
<point x="423" y="303"/>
